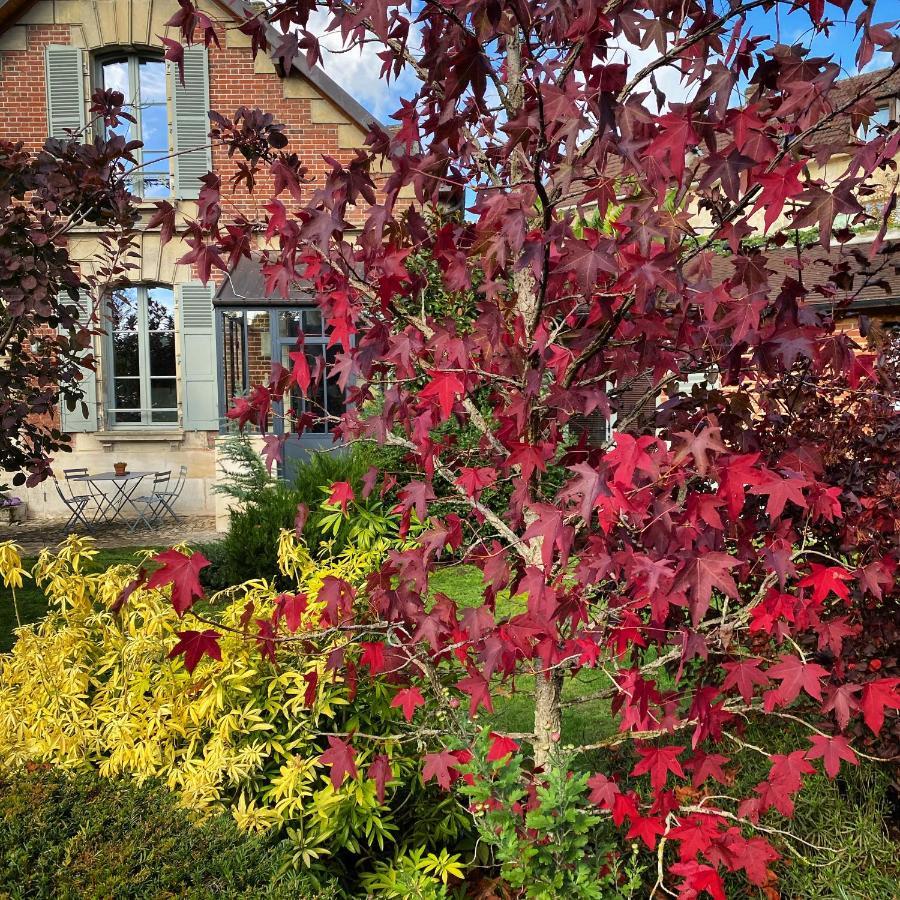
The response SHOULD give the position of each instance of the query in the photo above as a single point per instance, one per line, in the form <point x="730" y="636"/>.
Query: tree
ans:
<point x="692" y="566"/>
<point x="50" y="304"/>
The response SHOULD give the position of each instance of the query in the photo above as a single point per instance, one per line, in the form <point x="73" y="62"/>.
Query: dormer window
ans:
<point x="142" y="80"/>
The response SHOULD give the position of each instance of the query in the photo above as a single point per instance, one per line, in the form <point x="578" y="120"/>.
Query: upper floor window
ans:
<point x="141" y="357"/>
<point x="142" y="81"/>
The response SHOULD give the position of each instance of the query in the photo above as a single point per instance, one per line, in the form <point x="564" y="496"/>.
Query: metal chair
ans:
<point x="168" y="499"/>
<point x="154" y="502"/>
<point x="75" y="503"/>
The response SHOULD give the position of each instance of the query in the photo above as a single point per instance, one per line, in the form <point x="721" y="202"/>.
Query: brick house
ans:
<point x="158" y="397"/>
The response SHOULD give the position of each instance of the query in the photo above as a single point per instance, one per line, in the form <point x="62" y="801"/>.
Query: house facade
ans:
<point x="158" y="396"/>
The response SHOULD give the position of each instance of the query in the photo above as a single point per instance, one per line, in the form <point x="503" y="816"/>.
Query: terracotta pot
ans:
<point x="120" y="468"/>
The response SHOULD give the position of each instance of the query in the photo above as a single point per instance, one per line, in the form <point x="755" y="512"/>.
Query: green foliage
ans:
<point x="245" y="474"/>
<point x="87" y="836"/>
<point x="414" y="874"/>
<point x="546" y="837"/>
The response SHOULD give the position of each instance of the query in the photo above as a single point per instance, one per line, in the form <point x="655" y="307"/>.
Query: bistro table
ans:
<point x="113" y="505"/>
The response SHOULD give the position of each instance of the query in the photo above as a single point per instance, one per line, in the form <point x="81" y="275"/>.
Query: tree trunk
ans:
<point x="547" y="715"/>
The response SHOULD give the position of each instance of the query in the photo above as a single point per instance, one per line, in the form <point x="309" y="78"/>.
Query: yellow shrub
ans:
<point x="91" y="687"/>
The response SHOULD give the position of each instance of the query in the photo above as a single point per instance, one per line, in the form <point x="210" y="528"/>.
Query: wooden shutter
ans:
<point x="84" y="416"/>
<point x="636" y="410"/>
<point x="65" y="89"/>
<point x="191" y="123"/>
<point x="199" y="375"/>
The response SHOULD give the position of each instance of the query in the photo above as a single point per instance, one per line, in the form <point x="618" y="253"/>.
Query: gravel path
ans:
<point x="35" y="535"/>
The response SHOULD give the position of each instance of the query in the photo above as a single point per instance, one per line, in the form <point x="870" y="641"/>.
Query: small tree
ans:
<point x="49" y="303"/>
<point x="693" y="566"/>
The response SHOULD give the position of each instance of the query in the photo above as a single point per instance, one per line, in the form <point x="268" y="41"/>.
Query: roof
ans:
<point x="864" y="284"/>
<point x="10" y="10"/>
<point x="845" y="90"/>
<point x="246" y="286"/>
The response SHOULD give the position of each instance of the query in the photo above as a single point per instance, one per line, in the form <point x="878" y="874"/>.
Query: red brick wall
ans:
<point x="23" y="96"/>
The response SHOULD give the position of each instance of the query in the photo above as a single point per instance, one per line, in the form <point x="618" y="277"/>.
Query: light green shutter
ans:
<point x="191" y="126"/>
<point x="76" y="420"/>
<point x="199" y="375"/>
<point x="65" y="89"/>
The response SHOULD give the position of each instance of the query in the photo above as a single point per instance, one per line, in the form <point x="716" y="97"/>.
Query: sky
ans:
<point x="359" y="73"/>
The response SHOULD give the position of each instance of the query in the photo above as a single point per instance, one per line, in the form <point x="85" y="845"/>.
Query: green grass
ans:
<point x="31" y="601"/>
<point x="584" y="722"/>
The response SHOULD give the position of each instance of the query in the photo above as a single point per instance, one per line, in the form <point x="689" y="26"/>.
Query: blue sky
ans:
<point x="359" y="73"/>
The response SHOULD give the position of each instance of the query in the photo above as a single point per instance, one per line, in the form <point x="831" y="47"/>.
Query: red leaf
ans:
<point x="408" y="699"/>
<point x="444" y="388"/>
<point x="658" y="762"/>
<point x="300" y="371"/>
<point x="478" y="690"/>
<point x="372" y="656"/>
<point x="794" y="675"/>
<point x="182" y="572"/>
<point x="195" y="645"/>
<point x="841" y="701"/>
<point x="501" y="747"/>
<point x="875" y="697"/>
<point x="831" y="750"/>
<point x="292" y="607"/>
<point x="474" y="481"/>
<point x="647" y="828"/>
<point x="381" y="773"/>
<point x="703" y="573"/>
<point x="340" y="756"/>
<point x="825" y="580"/>
<point x="341" y="494"/>
<point x="440" y="767"/>
<point x="745" y="675"/>
<point x="603" y="790"/>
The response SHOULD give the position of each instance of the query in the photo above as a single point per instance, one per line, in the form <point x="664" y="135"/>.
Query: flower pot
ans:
<point x="121" y="468"/>
<point x="12" y="514"/>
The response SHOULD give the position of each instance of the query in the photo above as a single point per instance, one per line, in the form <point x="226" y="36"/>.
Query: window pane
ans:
<point x="162" y="354"/>
<point x="233" y="352"/>
<point x="160" y="309"/>
<point x="123" y="310"/>
<point x="115" y="77"/>
<point x="153" y="81"/>
<point x="125" y="355"/>
<point x="309" y="321"/>
<point x="127" y="396"/>
<point x="312" y="322"/>
<point x="163" y="393"/>
<point x="154" y="130"/>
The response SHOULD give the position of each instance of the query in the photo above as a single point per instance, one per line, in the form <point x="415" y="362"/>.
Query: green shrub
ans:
<point x="87" y="836"/>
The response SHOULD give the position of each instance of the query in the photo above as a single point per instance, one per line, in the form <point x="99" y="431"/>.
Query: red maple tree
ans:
<point x="711" y="568"/>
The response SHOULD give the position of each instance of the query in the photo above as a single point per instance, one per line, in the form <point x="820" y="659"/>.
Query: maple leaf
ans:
<point x="340" y="756"/>
<point x="745" y="675"/>
<point x="292" y="607"/>
<point x="794" y="675"/>
<point x="372" y="656"/>
<point x="195" y="645"/>
<point x="474" y="480"/>
<point x="603" y="790"/>
<point x="479" y="691"/>
<point x="703" y="573"/>
<point x="381" y="773"/>
<point x="440" y="766"/>
<point x="300" y="371"/>
<point x="338" y="596"/>
<point x="876" y="696"/>
<point x="647" y="828"/>
<point x="778" y="186"/>
<point x="698" y="878"/>
<point x="658" y="762"/>
<point x="183" y="573"/>
<point x="444" y="388"/>
<point x="501" y="747"/>
<point x="831" y="750"/>
<point x="842" y="703"/>
<point x="707" y="765"/>
<point x="408" y="699"/>
<point x="341" y="494"/>
<point x="825" y="580"/>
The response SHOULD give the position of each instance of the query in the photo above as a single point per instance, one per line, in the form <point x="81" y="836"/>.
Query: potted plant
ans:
<point x="120" y="467"/>
<point x="12" y="509"/>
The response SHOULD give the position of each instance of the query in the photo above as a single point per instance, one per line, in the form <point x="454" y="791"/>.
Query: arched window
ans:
<point x="141" y="78"/>
<point x="142" y="387"/>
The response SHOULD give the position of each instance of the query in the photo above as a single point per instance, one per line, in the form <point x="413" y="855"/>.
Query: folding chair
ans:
<point x="75" y="503"/>
<point x="153" y="502"/>
<point x="167" y="499"/>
